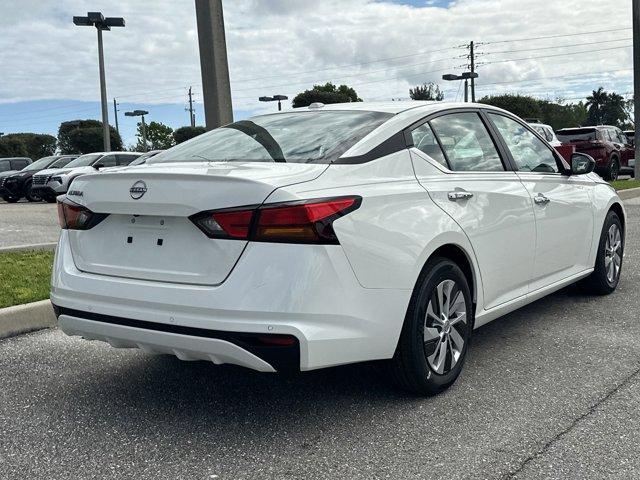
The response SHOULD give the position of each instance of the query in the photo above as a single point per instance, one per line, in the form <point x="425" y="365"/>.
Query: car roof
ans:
<point x="389" y="107"/>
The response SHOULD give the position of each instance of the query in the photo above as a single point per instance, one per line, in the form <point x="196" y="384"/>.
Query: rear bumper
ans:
<point x="307" y="291"/>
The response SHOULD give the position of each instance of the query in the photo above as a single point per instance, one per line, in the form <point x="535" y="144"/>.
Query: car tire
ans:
<point x="608" y="267"/>
<point x="29" y="195"/>
<point x="613" y="171"/>
<point x="10" y="199"/>
<point x="434" y="340"/>
<point x="50" y="199"/>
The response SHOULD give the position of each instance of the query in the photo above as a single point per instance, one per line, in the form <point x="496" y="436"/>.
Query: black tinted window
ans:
<point x="425" y="141"/>
<point x="300" y="137"/>
<point x="107" y="161"/>
<point x="18" y="164"/>
<point x="576" y="135"/>
<point x="124" y="160"/>
<point x="467" y="143"/>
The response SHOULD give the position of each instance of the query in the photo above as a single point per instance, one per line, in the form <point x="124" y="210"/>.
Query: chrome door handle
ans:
<point x="540" y="199"/>
<point x="459" y="195"/>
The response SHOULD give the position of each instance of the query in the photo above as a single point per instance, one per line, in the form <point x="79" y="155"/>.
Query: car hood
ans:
<point x="6" y="174"/>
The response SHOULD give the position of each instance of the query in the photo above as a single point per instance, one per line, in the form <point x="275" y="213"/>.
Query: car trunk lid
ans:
<point x="148" y="234"/>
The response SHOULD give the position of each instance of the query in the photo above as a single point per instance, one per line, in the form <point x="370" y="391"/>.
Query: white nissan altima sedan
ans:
<point x="334" y="234"/>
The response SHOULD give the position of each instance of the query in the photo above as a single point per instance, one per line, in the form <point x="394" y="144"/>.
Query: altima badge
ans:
<point x="138" y="190"/>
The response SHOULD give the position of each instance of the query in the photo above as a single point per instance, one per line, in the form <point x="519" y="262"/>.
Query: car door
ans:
<point x="626" y="152"/>
<point x="488" y="202"/>
<point x="561" y="203"/>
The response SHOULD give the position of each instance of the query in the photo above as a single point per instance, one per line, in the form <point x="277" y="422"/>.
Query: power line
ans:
<point x="552" y="47"/>
<point x="554" y="36"/>
<point x="556" y="55"/>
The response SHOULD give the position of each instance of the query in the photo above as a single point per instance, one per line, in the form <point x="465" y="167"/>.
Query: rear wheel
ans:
<point x="614" y="169"/>
<point x="436" y="331"/>
<point x="606" y="275"/>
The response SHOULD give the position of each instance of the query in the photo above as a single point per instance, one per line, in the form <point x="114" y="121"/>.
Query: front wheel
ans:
<point x="30" y="194"/>
<point x="436" y="332"/>
<point x="606" y="274"/>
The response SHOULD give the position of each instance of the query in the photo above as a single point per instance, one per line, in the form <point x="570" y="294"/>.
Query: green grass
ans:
<point x="24" y="277"/>
<point x="625" y="184"/>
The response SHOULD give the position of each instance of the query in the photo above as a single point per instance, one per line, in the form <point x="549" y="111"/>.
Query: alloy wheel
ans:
<point x="445" y="328"/>
<point x="613" y="253"/>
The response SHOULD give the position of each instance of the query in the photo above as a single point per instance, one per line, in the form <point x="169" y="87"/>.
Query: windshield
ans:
<point x="62" y="162"/>
<point x="84" y="160"/>
<point x="577" y="135"/>
<point x="39" y="164"/>
<point x="300" y="137"/>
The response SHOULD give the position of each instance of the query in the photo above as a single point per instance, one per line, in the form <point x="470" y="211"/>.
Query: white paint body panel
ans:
<point x="344" y="303"/>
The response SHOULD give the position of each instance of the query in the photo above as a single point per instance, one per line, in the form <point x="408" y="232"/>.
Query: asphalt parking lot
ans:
<point x="549" y="391"/>
<point x="27" y="223"/>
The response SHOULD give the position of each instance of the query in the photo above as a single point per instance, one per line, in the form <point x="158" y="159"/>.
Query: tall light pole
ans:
<point x="636" y="82"/>
<point x="115" y="114"/>
<point x="141" y="114"/>
<point x="275" y="98"/>
<point x="96" y="19"/>
<point x="216" y="88"/>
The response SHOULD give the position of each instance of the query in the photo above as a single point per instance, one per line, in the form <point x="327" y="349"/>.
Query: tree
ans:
<point x="37" y="145"/>
<point x="85" y="136"/>
<point x="606" y="108"/>
<point x="159" y="137"/>
<point x="327" y="93"/>
<point x="10" y="147"/>
<point x="183" y="134"/>
<point x="427" y="91"/>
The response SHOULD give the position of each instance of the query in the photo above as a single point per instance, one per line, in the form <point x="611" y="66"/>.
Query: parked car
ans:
<point x="609" y="147"/>
<point x="50" y="183"/>
<point x="331" y="235"/>
<point x="11" y="165"/>
<point x="18" y="185"/>
<point x="547" y="133"/>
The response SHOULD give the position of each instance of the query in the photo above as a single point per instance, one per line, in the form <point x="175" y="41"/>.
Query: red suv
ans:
<point x="609" y="147"/>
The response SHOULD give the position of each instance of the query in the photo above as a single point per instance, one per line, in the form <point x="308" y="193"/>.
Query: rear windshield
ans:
<point x="84" y="160"/>
<point x="577" y="135"/>
<point x="298" y="137"/>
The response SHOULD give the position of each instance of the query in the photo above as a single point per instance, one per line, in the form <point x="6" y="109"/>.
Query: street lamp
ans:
<point x="141" y="114"/>
<point x="451" y="77"/>
<point x="277" y="98"/>
<point x="96" y="19"/>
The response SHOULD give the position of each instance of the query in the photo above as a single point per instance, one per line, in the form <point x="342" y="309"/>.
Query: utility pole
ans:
<point x="473" y="70"/>
<point x="96" y="19"/>
<point x="214" y="67"/>
<point x="192" y="118"/>
<point x="115" y="114"/>
<point x="636" y="82"/>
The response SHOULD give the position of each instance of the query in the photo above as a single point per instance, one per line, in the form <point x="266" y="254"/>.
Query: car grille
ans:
<point x="39" y="180"/>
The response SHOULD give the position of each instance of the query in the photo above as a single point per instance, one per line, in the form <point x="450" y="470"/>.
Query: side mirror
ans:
<point x="581" y="164"/>
<point x="98" y="166"/>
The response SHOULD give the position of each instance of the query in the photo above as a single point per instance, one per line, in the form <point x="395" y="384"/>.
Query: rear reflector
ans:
<point x="307" y="221"/>
<point x="72" y="216"/>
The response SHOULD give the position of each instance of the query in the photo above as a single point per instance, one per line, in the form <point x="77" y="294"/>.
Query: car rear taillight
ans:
<point x="306" y="221"/>
<point x="72" y="216"/>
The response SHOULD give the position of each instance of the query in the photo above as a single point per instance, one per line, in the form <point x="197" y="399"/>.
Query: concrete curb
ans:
<point x="629" y="193"/>
<point x="24" y="248"/>
<point x="26" y="318"/>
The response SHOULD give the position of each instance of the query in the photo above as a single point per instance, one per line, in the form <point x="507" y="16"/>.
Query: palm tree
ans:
<point x="595" y="104"/>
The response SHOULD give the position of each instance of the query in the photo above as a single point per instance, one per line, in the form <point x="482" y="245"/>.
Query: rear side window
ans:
<point x="124" y="160"/>
<point x="425" y="141"/>
<point x="529" y="152"/>
<point x="466" y="142"/>
<point x="18" y="164"/>
<point x="107" y="161"/>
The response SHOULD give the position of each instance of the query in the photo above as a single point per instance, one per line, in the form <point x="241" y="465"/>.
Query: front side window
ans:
<point x="107" y="161"/>
<point x="467" y="143"/>
<point x="124" y="160"/>
<point x="425" y="141"/>
<point x="528" y="151"/>
<point x="298" y="137"/>
<point x="19" y="164"/>
<point x="84" y="160"/>
<point x="5" y="166"/>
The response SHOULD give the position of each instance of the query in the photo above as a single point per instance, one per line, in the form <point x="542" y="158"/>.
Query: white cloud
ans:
<point x="44" y="56"/>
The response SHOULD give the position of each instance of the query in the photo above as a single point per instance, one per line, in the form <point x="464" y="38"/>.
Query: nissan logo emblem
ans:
<point x="138" y="190"/>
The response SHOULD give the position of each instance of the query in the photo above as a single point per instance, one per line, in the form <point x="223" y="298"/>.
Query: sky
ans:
<point x="380" y="47"/>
